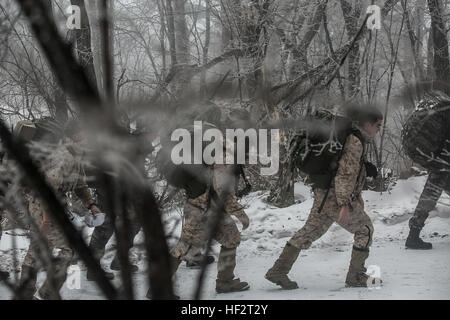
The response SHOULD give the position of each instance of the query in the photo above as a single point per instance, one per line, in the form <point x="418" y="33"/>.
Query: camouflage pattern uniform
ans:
<point x="425" y="138"/>
<point x="197" y="219"/>
<point x="345" y="190"/>
<point x="432" y="191"/>
<point x="63" y="172"/>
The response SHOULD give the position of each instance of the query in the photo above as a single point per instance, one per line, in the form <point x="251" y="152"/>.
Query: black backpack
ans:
<point x="426" y="131"/>
<point x="193" y="178"/>
<point x="316" y="151"/>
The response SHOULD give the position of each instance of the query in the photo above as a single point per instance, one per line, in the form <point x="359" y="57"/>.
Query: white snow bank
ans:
<point x="320" y="271"/>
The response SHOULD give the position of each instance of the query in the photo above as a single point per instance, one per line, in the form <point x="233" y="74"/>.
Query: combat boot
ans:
<point x="27" y="286"/>
<point x="356" y="275"/>
<point x="97" y="245"/>
<point x="278" y="273"/>
<point x="414" y="242"/>
<point x="225" y="276"/>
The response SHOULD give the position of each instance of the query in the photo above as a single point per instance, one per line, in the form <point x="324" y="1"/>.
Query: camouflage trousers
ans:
<point x="55" y="240"/>
<point x="194" y="232"/>
<point x="432" y="191"/>
<point x="318" y="224"/>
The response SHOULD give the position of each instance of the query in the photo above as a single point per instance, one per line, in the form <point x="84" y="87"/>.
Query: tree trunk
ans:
<point x="171" y="32"/>
<point x="441" y="62"/>
<point x="162" y="35"/>
<point x="351" y="18"/>
<point x="181" y="33"/>
<point x="60" y="106"/>
<point x="282" y="195"/>
<point x="300" y="52"/>
<point x="203" y="89"/>
<point x="83" y="43"/>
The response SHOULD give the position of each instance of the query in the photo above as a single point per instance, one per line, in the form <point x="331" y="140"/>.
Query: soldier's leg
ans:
<point x="361" y="226"/>
<point x="229" y="237"/>
<point x="196" y="257"/>
<point x="28" y="275"/>
<point x="99" y="238"/>
<point x="135" y="227"/>
<point x="316" y="225"/>
<point x="50" y="291"/>
<point x="101" y="234"/>
<point x="192" y="237"/>
<point x="430" y="195"/>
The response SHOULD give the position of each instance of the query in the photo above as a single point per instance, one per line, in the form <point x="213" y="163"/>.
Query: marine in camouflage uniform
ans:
<point x="103" y="233"/>
<point x="197" y="219"/>
<point x="344" y="192"/>
<point x="432" y="191"/>
<point x="199" y="211"/>
<point x="426" y="139"/>
<point x="63" y="172"/>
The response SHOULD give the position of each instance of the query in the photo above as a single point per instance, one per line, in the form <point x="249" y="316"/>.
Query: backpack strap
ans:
<point x="358" y="134"/>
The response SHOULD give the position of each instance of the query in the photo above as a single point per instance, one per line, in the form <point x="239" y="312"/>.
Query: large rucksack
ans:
<point x="316" y="151"/>
<point x="426" y="131"/>
<point x="193" y="178"/>
<point x="45" y="129"/>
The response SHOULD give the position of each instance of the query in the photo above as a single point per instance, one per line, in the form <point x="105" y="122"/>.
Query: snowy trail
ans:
<point x="319" y="271"/>
<point x="320" y="274"/>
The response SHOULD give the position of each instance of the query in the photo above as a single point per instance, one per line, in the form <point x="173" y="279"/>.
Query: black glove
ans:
<point x="371" y="170"/>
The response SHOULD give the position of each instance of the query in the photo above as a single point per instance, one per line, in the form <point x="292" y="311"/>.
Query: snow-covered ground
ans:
<point x="320" y="271"/>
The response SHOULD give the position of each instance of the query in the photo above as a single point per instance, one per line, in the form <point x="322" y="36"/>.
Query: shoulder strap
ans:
<point x="358" y="134"/>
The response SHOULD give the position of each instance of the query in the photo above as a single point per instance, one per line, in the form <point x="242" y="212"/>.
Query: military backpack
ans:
<point x="316" y="151"/>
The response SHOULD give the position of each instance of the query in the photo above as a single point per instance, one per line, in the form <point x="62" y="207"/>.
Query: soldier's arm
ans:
<point x="348" y="170"/>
